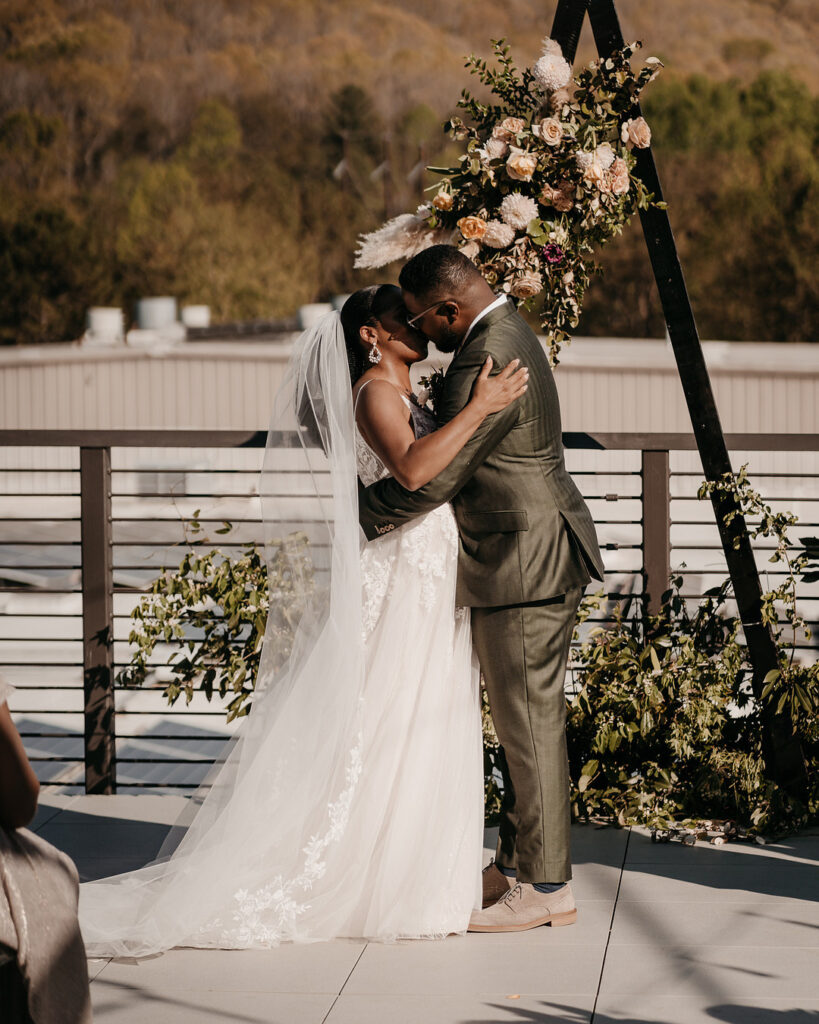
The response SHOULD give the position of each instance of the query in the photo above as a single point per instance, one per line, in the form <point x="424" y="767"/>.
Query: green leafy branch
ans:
<point x="215" y="608"/>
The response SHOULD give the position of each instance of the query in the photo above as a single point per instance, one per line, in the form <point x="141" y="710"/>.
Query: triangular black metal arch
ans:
<point x="781" y="750"/>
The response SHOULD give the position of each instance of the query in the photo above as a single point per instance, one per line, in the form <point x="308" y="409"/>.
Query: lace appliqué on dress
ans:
<point x="376" y="576"/>
<point x="428" y="547"/>
<point x="265" y="916"/>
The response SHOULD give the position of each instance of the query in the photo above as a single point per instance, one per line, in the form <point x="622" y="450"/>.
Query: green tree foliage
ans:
<point x="740" y="172"/>
<point x="109" y="111"/>
<point x="48" y="273"/>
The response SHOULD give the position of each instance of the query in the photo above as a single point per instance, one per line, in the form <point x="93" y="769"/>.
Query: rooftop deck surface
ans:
<point x="666" y="934"/>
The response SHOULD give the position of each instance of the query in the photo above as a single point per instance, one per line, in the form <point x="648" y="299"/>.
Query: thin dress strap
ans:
<point x="366" y="382"/>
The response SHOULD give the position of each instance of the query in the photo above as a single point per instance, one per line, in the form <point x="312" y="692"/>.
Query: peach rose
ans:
<point x="526" y="285"/>
<point x="550" y="130"/>
<point x="619" y="177"/>
<point x="520" y="165"/>
<point x="561" y="198"/>
<point x="635" y="132"/>
<point x="508" y="129"/>
<point x="593" y="174"/>
<point x="442" y="201"/>
<point x="472" y="227"/>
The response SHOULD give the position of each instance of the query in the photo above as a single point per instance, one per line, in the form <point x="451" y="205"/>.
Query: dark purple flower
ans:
<point x="553" y="253"/>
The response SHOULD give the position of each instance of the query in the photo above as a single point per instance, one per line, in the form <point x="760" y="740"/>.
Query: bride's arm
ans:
<point x="382" y="418"/>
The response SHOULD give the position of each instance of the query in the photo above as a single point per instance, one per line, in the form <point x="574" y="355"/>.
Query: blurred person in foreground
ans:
<point x="43" y="974"/>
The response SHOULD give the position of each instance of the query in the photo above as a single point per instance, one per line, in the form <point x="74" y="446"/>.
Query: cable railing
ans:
<point x="88" y="519"/>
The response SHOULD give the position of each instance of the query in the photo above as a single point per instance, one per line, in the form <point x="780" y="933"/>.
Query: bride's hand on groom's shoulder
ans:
<point x="493" y="393"/>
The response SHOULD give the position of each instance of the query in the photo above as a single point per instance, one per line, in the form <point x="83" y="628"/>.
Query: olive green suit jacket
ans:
<point x="526" y="533"/>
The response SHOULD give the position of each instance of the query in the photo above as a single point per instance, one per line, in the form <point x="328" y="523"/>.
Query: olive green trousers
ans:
<point x="523" y="651"/>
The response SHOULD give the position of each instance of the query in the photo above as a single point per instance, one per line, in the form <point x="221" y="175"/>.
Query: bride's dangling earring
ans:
<point x="375" y="353"/>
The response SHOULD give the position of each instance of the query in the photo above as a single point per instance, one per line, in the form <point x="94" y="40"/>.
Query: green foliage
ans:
<point x="48" y="270"/>
<point x="740" y="170"/>
<point x="214" y="607"/>
<point x="665" y="726"/>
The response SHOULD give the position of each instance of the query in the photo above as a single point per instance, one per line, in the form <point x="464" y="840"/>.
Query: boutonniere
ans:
<point x="432" y="389"/>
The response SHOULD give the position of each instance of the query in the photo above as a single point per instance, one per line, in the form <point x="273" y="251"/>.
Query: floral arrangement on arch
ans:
<point x="546" y="179"/>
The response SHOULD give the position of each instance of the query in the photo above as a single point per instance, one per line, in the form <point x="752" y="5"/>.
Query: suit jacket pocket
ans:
<point x="505" y="521"/>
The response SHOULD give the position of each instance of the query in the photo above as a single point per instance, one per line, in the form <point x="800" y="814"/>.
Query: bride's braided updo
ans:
<point x="364" y="308"/>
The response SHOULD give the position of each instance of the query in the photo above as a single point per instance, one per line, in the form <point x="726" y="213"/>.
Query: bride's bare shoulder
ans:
<point x="374" y="392"/>
<point x="380" y="411"/>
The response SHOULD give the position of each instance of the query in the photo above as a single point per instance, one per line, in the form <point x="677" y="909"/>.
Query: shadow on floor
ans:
<point x="722" y="1014"/>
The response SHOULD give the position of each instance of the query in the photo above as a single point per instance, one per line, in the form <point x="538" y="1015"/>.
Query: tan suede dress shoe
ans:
<point x="523" y="907"/>
<point x="495" y="884"/>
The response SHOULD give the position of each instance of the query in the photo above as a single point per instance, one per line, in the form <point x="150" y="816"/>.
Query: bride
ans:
<point x="350" y="802"/>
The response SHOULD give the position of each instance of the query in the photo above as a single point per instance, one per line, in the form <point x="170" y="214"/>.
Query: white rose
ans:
<point x="604" y="155"/>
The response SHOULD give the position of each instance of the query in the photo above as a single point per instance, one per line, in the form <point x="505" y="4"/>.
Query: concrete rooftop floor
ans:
<point x="666" y="934"/>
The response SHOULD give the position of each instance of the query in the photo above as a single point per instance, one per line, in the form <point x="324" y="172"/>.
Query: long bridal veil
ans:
<point x="250" y="867"/>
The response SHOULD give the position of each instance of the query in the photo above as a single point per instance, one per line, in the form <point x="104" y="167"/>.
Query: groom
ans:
<point x="528" y="549"/>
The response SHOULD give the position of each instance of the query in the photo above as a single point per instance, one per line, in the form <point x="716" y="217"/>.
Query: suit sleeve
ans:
<point x="385" y="505"/>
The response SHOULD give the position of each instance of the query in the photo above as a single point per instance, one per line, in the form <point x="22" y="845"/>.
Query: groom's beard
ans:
<point x="447" y="341"/>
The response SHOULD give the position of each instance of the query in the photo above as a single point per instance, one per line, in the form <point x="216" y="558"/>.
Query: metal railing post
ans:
<point x="656" y="528"/>
<point x="98" y="620"/>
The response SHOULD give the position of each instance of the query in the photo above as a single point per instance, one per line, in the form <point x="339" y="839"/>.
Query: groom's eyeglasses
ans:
<point x="412" y="321"/>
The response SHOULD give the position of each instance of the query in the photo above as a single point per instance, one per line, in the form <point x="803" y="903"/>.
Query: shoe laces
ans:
<point x="514" y="893"/>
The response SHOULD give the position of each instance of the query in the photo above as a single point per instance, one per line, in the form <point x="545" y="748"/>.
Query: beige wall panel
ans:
<point x="232" y="386"/>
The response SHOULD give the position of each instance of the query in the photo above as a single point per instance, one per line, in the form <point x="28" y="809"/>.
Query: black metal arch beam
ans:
<point x="781" y="750"/>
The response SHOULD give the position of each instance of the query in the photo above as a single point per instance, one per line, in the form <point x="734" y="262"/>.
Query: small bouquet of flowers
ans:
<point x="545" y="179"/>
<point x="432" y="389"/>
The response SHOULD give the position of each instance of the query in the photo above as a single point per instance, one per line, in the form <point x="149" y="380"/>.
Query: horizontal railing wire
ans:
<point x="164" y="748"/>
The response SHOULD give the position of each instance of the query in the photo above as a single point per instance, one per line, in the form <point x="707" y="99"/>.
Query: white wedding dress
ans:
<point x="352" y="801"/>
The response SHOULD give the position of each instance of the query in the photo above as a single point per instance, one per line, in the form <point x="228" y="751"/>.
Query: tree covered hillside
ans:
<point x="230" y="153"/>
